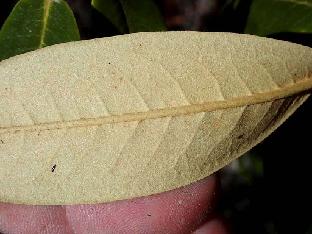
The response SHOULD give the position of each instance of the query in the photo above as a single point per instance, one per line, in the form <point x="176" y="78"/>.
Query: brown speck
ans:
<point x="240" y="136"/>
<point x="2" y="142"/>
<point x="140" y="44"/>
<point x="53" y="168"/>
<point x="109" y="63"/>
<point x="149" y="215"/>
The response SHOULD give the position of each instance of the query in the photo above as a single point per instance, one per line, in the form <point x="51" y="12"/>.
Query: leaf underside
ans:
<point x="139" y="114"/>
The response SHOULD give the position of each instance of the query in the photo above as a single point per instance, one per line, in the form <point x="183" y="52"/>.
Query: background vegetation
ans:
<point x="265" y="191"/>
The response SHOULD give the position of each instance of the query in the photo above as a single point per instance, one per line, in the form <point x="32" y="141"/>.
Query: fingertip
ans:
<point x="214" y="226"/>
<point x="180" y="210"/>
<point x="177" y="211"/>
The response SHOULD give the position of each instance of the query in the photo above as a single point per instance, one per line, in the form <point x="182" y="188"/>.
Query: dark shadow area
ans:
<point x="5" y="9"/>
<point x="287" y="160"/>
<point x="279" y="201"/>
<point x="228" y="18"/>
<point x="299" y="38"/>
<point x="91" y="23"/>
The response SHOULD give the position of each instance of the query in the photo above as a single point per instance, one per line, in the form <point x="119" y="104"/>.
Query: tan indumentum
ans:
<point x="133" y="115"/>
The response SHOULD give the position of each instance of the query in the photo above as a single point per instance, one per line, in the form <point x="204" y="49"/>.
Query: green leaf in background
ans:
<point x="275" y="16"/>
<point x="34" y="24"/>
<point x="131" y="15"/>
<point x="142" y="16"/>
<point x="113" y="11"/>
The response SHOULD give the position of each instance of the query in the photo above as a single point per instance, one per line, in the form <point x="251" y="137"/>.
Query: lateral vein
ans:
<point x="301" y="87"/>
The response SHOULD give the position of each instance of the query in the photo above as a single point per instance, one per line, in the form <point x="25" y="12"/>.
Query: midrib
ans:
<point x="46" y="11"/>
<point x="298" y="88"/>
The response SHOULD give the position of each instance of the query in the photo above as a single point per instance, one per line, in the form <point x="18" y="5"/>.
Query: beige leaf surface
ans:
<point x="128" y="116"/>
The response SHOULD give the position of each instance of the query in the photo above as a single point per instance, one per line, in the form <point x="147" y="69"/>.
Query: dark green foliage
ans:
<point x="131" y="15"/>
<point x="34" y="24"/>
<point x="112" y="10"/>
<point x="275" y="16"/>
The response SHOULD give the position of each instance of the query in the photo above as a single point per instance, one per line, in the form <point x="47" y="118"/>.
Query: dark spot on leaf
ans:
<point x="109" y="63"/>
<point x="140" y="44"/>
<point x="2" y="142"/>
<point x="53" y="168"/>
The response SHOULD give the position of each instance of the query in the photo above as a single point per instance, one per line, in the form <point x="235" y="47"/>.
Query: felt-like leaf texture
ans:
<point x="133" y="115"/>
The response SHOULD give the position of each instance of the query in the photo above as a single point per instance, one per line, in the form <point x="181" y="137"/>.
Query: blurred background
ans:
<point x="268" y="189"/>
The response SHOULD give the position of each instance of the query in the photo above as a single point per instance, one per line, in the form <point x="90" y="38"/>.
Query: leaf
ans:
<point x="34" y="24"/>
<point x="131" y="16"/>
<point x="274" y="16"/>
<point x="143" y="17"/>
<point x="139" y="114"/>
<point x="113" y="11"/>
